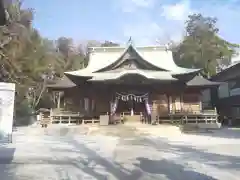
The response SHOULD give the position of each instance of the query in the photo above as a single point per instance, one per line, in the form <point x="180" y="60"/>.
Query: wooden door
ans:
<point x="162" y="105"/>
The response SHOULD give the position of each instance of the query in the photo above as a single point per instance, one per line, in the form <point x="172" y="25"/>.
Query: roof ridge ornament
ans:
<point x="130" y="41"/>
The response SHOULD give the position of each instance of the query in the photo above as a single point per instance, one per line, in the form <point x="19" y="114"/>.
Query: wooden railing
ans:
<point x="60" y="116"/>
<point x="205" y="116"/>
<point x="45" y="119"/>
<point x="199" y="118"/>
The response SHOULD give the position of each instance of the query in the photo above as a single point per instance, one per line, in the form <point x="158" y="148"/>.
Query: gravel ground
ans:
<point x="119" y="152"/>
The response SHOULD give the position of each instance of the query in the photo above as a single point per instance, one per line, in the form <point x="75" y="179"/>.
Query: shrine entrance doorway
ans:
<point x="132" y="106"/>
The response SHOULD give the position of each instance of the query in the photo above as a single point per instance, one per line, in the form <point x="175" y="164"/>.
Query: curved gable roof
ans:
<point x="131" y="53"/>
<point x="157" y="56"/>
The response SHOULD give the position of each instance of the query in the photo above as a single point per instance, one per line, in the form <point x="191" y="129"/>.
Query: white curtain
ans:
<point x="114" y="106"/>
<point x="148" y="108"/>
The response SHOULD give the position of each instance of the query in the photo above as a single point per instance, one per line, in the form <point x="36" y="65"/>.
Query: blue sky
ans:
<point x="147" y="21"/>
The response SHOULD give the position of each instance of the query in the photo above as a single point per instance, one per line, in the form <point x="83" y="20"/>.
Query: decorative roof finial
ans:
<point x="130" y="40"/>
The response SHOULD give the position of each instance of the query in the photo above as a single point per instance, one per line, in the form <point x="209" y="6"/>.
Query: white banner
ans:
<point x="133" y="97"/>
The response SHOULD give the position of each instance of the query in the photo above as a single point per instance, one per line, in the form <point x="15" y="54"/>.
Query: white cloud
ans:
<point x="151" y="20"/>
<point x="129" y="6"/>
<point x="226" y="12"/>
<point x="178" y="11"/>
<point x="144" y="29"/>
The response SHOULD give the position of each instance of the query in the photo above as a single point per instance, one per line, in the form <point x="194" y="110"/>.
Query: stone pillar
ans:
<point x="7" y="96"/>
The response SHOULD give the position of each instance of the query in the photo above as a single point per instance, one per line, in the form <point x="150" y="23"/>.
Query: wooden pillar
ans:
<point x="51" y="115"/>
<point x="60" y="120"/>
<point x="170" y="101"/>
<point x="200" y="103"/>
<point x="110" y="111"/>
<point x="59" y="100"/>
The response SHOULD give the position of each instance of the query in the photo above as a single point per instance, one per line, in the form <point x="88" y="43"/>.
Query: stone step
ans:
<point x="159" y="130"/>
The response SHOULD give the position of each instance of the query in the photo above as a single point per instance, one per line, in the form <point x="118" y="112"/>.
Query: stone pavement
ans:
<point x="118" y="152"/>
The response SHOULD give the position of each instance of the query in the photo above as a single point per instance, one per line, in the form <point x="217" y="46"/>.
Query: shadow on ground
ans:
<point x="149" y="169"/>
<point x="6" y="167"/>
<point x="170" y="170"/>
<point x="92" y="160"/>
<point x="189" y="153"/>
<point x="93" y="164"/>
<point x="231" y="133"/>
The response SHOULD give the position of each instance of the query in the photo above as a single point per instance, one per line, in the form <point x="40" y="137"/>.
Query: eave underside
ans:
<point x="133" y="77"/>
<point x="119" y="73"/>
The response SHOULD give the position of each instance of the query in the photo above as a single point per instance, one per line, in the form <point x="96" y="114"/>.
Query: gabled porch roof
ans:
<point x="62" y="83"/>
<point x="199" y="80"/>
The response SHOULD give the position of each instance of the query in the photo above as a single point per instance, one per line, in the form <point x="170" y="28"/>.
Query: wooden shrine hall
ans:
<point x="131" y="83"/>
